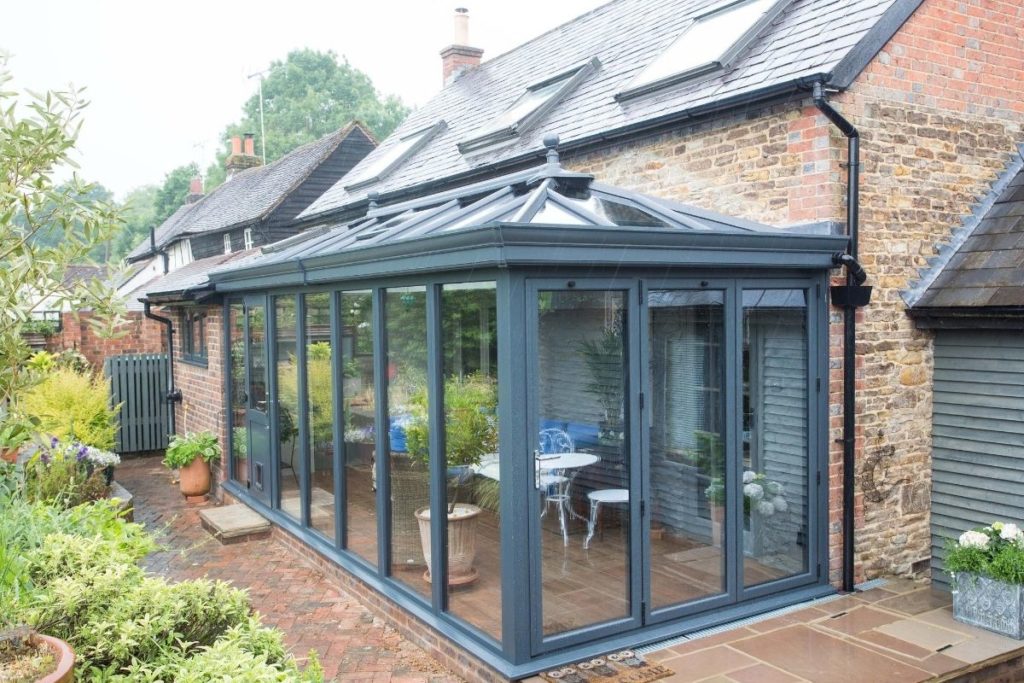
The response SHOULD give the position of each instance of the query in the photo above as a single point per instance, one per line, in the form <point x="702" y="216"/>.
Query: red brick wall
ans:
<point x="202" y="388"/>
<point x="138" y="335"/>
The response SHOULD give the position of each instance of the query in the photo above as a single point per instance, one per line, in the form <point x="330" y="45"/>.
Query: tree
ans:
<point x="173" y="193"/>
<point x="33" y="148"/>
<point x="305" y="97"/>
<point x="139" y="212"/>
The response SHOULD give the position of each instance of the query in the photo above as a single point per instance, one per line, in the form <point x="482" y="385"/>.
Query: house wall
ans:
<point x="138" y="335"/>
<point x="940" y="112"/>
<point x="202" y="388"/>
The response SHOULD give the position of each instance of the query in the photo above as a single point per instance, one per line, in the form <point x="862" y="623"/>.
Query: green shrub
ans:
<point x="995" y="551"/>
<point x="184" y="449"/>
<point x="72" y="406"/>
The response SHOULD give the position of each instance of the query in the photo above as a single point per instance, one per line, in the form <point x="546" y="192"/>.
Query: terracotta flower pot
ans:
<point x="461" y="543"/>
<point x="9" y="455"/>
<point x="65" y="656"/>
<point x="194" y="479"/>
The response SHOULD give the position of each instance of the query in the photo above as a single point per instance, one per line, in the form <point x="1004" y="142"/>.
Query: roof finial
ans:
<point x="373" y="195"/>
<point x="551" y="143"/>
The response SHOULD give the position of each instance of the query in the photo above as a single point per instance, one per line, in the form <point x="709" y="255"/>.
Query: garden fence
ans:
<point x="139" y="383"/>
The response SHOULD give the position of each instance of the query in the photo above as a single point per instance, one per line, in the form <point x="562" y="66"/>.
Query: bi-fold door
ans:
<point x="676" y="462"/>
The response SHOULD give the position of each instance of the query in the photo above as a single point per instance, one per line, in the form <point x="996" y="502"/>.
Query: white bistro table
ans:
<point x="553" y="470"/>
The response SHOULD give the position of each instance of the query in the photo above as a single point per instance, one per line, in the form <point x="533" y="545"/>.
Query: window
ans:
<point x="531" y="105"/>
<point x="386" y="158"/>
<point x="227" y="243"/>
<point x="193" y="337"/>
<point x="710" y="42"/>
<point x="248" y="238"/>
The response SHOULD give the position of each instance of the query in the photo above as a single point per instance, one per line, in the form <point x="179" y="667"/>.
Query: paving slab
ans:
<point x="229" y="523"/>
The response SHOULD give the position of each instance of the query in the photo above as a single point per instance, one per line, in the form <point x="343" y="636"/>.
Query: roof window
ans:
<point x="386" y="158"/>
<point x="535" y="102"/>
<point x="710" y="42"/>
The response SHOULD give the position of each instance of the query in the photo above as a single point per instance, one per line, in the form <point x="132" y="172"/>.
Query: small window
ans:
<point x="193" y="337"/>
<point x="248" y="238"/>
<point x="531" y="105"/>
<point x="227" y="243"/>
<point x="386" y="158"/>
<point x="708" y="43"/>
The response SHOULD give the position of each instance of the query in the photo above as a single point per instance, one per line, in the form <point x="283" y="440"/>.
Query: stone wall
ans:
<point x="202" y="387"/>
<point x="939" y="112"/>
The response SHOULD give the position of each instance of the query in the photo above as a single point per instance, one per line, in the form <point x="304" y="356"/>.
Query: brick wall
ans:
<point x="137" y="335"/>
<point x="939" y="111"/>
<point x="202" y="387"/>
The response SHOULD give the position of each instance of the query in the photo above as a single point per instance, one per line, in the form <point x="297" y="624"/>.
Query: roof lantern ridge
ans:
<point x="552" y="168"/>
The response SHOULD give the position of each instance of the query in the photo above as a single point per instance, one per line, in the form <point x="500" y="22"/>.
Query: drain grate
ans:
<point x="714" y="630"/>
<point x="868" y="585"/>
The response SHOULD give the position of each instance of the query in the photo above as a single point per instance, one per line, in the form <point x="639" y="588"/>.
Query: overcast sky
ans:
<point x="164" y="78"/>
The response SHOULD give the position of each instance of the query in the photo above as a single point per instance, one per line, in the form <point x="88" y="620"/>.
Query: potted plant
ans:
<point x="470" y="432"/>
<point x="603" y="358"/>
<point x="29" y="656"/>
<point x="15" y="432"/>
<point x="986" y="568"/>
<point x="191" y="455"/>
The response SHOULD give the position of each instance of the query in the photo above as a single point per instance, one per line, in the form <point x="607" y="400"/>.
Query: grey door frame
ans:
<point x="630" y="288"/>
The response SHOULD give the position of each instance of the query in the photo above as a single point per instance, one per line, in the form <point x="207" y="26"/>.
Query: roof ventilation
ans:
<point x="538" y="99"/>
<point x="709" y="43"/>
<point x="386" y="158"/>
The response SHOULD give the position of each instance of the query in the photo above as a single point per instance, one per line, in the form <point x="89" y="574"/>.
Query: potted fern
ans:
<point x="470" y="432"/>
<point x="191" y="455"/>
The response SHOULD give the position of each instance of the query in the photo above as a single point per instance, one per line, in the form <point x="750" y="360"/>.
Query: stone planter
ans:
<point x="194" y="479"/>
<point x="989" y="604"/>
<point x="461" y="543"/>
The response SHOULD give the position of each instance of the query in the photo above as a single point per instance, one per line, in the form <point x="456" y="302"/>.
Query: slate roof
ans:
<point x="248" y="197"/>
<point x="810" y="39"/>
<point x="192" y="277"/>
<point x="987" y="269"/>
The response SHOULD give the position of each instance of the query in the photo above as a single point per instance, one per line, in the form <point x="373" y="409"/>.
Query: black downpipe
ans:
<point x="854" y="278"/>
<point x="173" y="395"/>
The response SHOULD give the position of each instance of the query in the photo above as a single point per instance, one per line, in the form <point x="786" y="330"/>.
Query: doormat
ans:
<point x="621" y="667"/>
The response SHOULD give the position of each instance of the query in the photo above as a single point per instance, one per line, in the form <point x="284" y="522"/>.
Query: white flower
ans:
<point x="974" y="539"/>
<point x="753" y="491"/>
<point x="773" y="487"/>
<point x="1010" y="532"/>
<point x="780" y="504"/>
<point x="101" y="458"/>
<point x="766" y="508"/>
<point x="749" y="476"/>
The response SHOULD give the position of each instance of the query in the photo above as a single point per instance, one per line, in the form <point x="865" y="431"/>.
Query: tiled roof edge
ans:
<point x="936" y="264"/>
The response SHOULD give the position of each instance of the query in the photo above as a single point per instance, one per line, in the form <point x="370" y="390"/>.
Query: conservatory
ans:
<point x="545" y="416"/>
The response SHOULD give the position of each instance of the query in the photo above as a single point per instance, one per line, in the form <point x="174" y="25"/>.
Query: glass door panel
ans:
<point x="286" y="367"/>
<point x="776" y="455"/>
<point x="687" y="458"/>
<point x="320" y="411"/>
<point x="583" y="481"/>
<point x="258" y="423"/>
<point x="239" y="398"/>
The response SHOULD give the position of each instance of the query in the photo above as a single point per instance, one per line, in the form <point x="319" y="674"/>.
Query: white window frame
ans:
<point x="247" y="237"/>
<point x="227" y="243"/>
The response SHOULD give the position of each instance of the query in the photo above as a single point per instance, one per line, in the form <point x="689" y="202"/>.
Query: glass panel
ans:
<point x="470" y="346"/>
<point x="257" y="358"/>
<point x="584" y="458"/>
<point x="704" y="41"/>
<point x="687" y="454"/>
<point x="320" y="402"/>
<point x="359" y="406"/>
<point x="287" y="368"/>
<point x="406" y="329"/>
<point x="239" y="428"/>
<point x="775" y="437"/>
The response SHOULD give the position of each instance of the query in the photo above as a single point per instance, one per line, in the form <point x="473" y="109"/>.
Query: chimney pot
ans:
<point x="243" y="154"/>
<point x="459" y="57"/>
<point x="236" y="144"/>
<point x="195" y="190"/>
<point x="249" y="148"/>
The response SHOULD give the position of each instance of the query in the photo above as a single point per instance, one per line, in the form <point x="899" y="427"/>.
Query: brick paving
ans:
<point x="353" y="643"/>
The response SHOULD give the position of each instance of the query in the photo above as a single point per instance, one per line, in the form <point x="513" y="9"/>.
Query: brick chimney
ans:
<point x="242" y="155"/>
<point x="195" y="190"/>
<point x="459" y="57"/>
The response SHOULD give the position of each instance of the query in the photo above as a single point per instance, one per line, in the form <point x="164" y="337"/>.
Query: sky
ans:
<point x="164" y="78"/>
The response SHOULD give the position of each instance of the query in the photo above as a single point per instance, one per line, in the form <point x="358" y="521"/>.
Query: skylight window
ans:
<point x="385" y="160"/>
<point x="710" y="42"/>
<point x="530" y="106"/>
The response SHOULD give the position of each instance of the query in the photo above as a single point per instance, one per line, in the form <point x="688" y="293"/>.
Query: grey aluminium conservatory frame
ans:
<point x="513" y="256"/>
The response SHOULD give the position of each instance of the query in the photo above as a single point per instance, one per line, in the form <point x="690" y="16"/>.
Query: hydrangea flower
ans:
<point x="1009" y="532"/>
<point x="974" y="539"/>
<point x="753" y="491"/>
<point x="780" y="504"/>
<point x="766" y="508"/>
<point x="749" y="476"/>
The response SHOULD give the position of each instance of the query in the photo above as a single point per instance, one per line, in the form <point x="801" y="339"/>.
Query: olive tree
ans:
<point x="38" y="133"/>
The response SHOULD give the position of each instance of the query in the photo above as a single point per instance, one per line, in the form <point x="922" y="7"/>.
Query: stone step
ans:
<point x="234" y="523"/>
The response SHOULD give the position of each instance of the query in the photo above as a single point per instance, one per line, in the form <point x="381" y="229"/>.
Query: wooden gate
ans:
<point x="138" y="383"/>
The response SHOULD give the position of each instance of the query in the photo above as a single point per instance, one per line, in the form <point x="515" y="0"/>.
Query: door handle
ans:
<point x="538" y="457"/>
